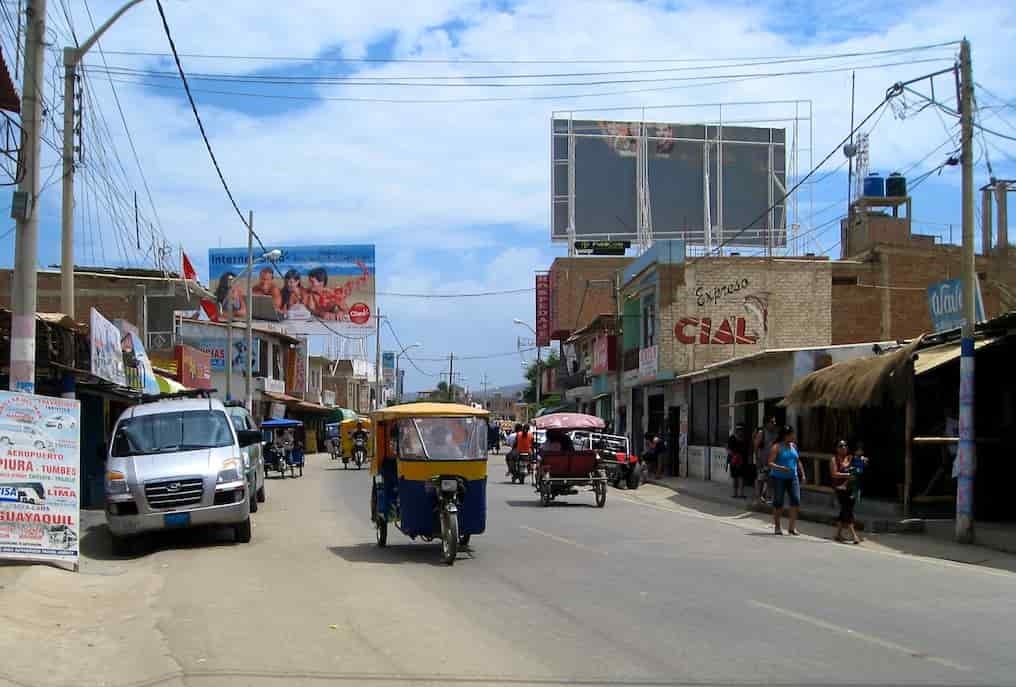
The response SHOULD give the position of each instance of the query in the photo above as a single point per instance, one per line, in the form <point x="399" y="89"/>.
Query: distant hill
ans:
<point x="512" y="390"/>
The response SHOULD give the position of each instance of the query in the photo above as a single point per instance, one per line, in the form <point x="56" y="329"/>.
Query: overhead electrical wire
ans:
<point x="409" y="82"/>
<point x="474" y="294"/>
<point x="406" y="355"/>
<point x="466" y="60"/>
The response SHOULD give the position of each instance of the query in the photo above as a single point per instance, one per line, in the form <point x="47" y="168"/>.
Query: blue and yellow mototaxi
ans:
<point x="429" y="473"/>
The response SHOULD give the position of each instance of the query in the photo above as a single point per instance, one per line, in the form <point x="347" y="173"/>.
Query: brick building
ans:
<point x="581" y="288"/>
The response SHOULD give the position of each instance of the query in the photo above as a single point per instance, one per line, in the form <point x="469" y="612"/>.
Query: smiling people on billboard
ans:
<point x="308" y="285"/>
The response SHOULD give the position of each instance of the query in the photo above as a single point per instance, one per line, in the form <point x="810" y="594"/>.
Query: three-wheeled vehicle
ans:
<point x="353" y="449"/>
<point x="283" y="450"/>
<point x="622" y="466"/>
<point x="562" y="467"/>
<point x="429" y="473"/>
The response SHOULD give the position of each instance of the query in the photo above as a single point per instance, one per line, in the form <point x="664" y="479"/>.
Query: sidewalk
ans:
<point x="875" y="522"/>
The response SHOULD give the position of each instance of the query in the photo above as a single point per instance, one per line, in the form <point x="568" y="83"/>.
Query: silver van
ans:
<point x="177" y="463"/>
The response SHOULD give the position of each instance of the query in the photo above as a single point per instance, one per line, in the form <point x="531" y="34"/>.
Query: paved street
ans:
<point x="642" y="592"/>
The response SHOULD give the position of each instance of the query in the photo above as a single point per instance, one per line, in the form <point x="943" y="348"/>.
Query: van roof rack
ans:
<point x="187" y="393"/>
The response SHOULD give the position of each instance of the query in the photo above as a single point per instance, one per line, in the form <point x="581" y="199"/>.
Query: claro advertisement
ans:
<point x="39" y="478"/>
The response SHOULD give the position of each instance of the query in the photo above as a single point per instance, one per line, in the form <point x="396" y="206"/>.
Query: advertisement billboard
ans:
<point x="296" y="377"/>
<point x="313" y="290"/>
<point x="107" y="355"/>
<point x="543" y="310"/>
<point x="945" y="304"/>
<point x="736" y="171"/>
<point x="40" y="478"/>
<point x="194" y="367"/>
<point x="215" y="347"/>
<point x="388" y="367"/>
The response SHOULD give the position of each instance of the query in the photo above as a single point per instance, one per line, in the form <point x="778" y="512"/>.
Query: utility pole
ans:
<point x="229" y="341"/>
<point x="71" y="58"/>
<point x="248" y="398"/>
<point x="377" y="363"/>
<point x="25" y="203"/>
<point x="451" y="376"/>
<point x="967" y="454"/>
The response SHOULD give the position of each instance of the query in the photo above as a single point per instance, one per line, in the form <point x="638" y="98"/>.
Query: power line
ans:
<point x="409" y="82"/>
<point x="800" y="182"/>
<point x="412" y="362"/>
<point x="475" y="294"/>
<point x="463" y="60"/>
<point x="201" y="126"/>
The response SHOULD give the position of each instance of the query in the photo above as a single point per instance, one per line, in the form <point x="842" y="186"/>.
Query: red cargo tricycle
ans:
<point x="563" y="468"/>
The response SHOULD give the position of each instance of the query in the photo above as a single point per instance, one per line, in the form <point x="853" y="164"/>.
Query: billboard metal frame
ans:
<point x="705" y="240"/>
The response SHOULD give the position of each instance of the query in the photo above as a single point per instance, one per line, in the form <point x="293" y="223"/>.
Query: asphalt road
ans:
<point x="641" y="592"/>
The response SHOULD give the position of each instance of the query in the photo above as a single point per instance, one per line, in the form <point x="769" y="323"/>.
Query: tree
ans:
<point x="529" y="395"/>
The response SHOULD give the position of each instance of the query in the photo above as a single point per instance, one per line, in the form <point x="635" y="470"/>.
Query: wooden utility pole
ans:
<point x="451" y="376"/>
<point x="967" y="454"/>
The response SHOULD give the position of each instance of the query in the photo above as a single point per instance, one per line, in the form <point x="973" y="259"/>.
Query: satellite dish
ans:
<point x="850" y="149"/>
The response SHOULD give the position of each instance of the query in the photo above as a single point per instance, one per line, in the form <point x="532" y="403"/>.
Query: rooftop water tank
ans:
<point x="896" y="185"/>
<point x="874" y="186"/>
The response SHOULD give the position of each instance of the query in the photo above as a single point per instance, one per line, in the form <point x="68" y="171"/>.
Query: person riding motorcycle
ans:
<point x="360" y="439"/>
<point x="522" y="443"/>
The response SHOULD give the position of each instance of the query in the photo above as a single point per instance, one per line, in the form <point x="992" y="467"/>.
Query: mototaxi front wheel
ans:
<point x="449" y="537"/>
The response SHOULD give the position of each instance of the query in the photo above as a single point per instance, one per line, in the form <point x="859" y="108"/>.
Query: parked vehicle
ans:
<point x="622" y="466"/>
<point x="562" y="471"/>
<point x="24" y="435"/>
<point x="283" y="448"/>
<point x="176" y="463"/>
<point x="253" y="455"/>
<point x="429" y="473"/>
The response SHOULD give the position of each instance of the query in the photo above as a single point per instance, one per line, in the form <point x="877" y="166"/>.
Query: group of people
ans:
<point x="315" y="297"/>
<point x="771" y="461"/>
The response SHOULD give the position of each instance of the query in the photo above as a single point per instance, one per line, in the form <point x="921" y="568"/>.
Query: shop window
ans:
<point x="710" y="412"/>
<point x="648" y="321"/>
<point x="746" y="409"/>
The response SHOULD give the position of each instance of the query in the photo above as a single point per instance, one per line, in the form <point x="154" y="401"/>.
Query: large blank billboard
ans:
<point x="746" y="169"/>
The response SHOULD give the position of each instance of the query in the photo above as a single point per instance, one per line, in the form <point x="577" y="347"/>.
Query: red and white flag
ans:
<point x="210" y="308"/>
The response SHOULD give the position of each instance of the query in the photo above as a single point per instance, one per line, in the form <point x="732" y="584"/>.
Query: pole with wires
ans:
<point x="377" y="363"/>
<point x="451" y="376"/>
<point x="24" y="207"/>
<point x="249" y="351"/>
<point x="967" y="454"/>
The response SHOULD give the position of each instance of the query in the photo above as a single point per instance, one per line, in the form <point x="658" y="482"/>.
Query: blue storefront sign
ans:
<point x="945" y="304"/>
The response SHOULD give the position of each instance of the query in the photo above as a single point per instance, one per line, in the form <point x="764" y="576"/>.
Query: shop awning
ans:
<point x="169" y="386"/>
<point x="934" y="357"/>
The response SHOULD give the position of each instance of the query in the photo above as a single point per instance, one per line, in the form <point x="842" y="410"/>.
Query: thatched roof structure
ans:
<point x="857" y="383"/>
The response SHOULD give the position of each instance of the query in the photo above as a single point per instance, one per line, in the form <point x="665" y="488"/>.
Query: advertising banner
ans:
<point x="648" y="363"/>
<point x="388" y="367"/>
<point x="40" y="478"/>
<point x="194" y="367"/>
<point x="945" y="304"/>
<point x="107" y="355"/>
<point x="601" y="354"/>
<point x="543" y="310"/>
<point x="137" y="366"/>
<point x="314" y="290"/>
<point x="216" y="348"/>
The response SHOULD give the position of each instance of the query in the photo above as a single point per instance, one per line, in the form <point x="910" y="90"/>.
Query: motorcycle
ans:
<point x="359" y="451"/>
<point x="519" y="467"/>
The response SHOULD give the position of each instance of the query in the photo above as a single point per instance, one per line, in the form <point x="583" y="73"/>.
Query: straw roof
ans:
<point x="857" y="383"/>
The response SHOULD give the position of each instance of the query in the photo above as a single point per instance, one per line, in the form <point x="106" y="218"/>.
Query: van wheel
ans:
<point x="243" y="532"/>
<point x="254" y="504"/>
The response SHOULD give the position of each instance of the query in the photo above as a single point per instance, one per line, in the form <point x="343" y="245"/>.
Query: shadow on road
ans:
<point x="417" y="554"/>
<point x="97" y="542"/>
<point x="536" y="503"/>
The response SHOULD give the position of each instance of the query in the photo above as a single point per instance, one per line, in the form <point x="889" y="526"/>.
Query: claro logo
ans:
<point x="948" y="298"/>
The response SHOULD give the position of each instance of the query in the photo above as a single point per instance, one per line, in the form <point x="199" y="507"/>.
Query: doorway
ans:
<point x="637" y="434"/>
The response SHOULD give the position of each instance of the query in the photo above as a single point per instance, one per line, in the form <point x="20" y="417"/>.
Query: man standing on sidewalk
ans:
<point x="766" y="438"/>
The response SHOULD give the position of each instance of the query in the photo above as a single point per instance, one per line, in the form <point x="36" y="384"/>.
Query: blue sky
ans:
<point x="456" y="195"/>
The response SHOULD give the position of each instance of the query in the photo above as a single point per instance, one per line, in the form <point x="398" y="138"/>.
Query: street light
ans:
<point x="539" y="362"/>
<point x="398" y="386"/>
<point x="271" y="256"/>
<point x="71" y="58"/>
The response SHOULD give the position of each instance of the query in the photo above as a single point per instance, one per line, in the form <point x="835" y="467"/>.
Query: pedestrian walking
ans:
<point x="786" y="473"/>
<point x="765" y="438"/>
<point x="737" y="457"/>
<point x="844" y="478"/>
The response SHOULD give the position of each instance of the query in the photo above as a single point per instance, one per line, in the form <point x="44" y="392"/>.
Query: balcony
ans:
<point x="566" y="381"/>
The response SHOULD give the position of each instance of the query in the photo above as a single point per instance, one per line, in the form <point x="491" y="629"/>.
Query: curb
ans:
<point x="910" y="526"/>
